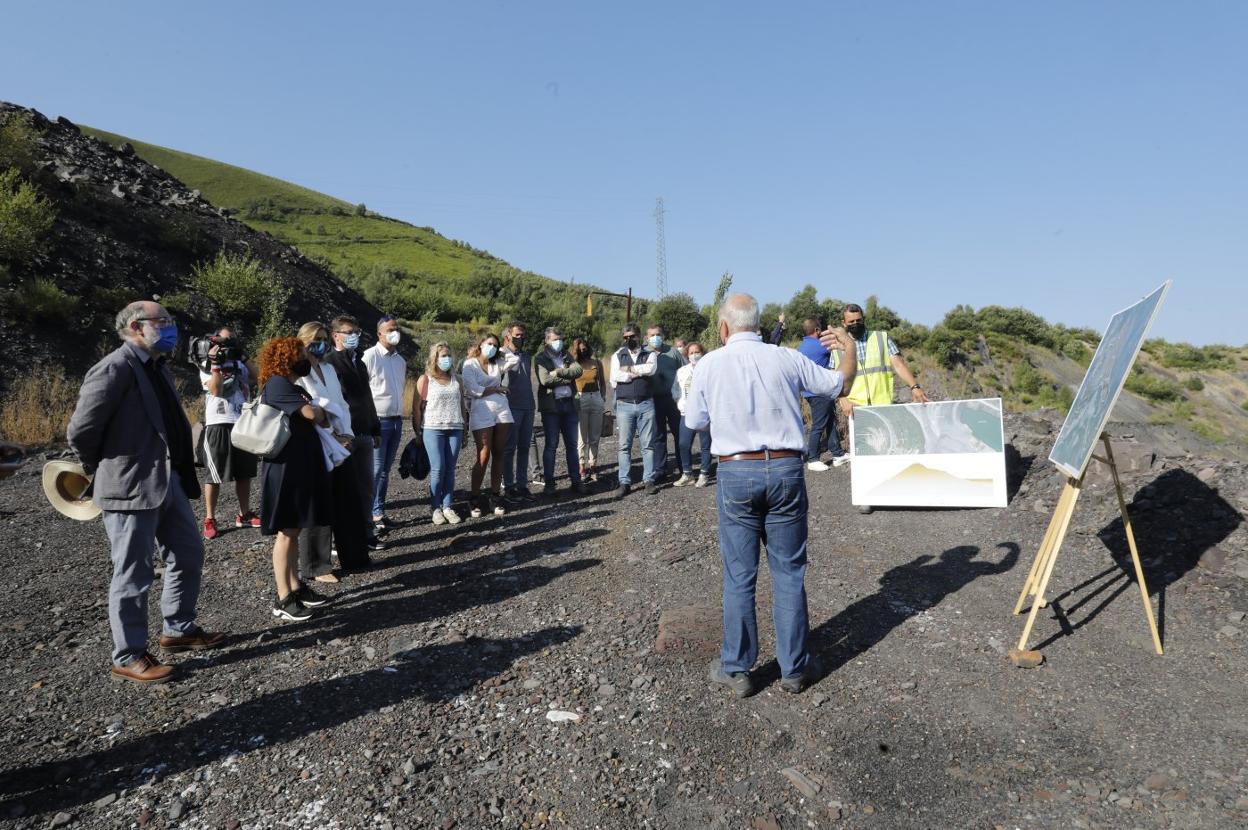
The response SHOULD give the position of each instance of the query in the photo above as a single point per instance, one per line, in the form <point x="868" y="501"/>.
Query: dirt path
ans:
<point x="421" y="698"/>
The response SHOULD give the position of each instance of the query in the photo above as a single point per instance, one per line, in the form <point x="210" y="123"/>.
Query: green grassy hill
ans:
<point x="413" y="271"/>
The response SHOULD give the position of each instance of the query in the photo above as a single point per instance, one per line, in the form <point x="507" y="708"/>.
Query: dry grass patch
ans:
<point x="37" y="408"/>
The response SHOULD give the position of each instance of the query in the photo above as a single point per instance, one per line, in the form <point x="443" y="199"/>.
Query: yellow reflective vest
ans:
<point x="873" y="383"/>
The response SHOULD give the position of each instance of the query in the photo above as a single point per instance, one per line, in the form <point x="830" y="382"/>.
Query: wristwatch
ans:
<point x="916" y="386"/>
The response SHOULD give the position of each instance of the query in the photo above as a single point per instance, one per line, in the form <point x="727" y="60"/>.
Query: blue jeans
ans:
<point x="383" y="459"/>
<point x="565" y="423"/>
<point x="630" y="417"/>
<point x="443" y="448"/>
<point x="686" y="449"/>
<point x="763" y="501"/>
<point x="822" y="419"/>
<point x="516" y="464"/>
<point x="666" y="420"/>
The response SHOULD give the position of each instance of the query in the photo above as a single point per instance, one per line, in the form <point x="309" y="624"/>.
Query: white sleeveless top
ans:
<point x="442" y="405"/>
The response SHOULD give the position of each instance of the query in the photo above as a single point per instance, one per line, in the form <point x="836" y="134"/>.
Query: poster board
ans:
<point x="1103" y="382"/>
<point x="938" y="454"/>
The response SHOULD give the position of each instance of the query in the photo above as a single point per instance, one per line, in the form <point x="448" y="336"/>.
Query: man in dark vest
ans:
<point x="632" y="368"/>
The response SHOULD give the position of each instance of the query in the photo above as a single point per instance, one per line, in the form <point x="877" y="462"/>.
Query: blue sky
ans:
<point x="1065" y="157"/>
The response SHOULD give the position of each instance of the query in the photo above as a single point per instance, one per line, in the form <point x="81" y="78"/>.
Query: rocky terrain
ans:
<point x="126" y="230"/>
<point x="547" y="669"/>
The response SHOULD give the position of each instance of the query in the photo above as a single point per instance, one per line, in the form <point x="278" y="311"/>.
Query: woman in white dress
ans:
<point x="489" y="417"/>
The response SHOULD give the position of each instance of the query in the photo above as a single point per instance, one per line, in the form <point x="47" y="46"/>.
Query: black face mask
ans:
<point x="302" y="367"/>
<point x="517" y="343"/>
<point x="857" y="330"/>
<point x="631" y="343"/>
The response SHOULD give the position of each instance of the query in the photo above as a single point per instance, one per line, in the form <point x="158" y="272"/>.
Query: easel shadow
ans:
<point x="1176" y="518"/>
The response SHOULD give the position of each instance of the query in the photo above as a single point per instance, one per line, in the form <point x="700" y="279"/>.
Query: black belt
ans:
<point x="761" y="455"/>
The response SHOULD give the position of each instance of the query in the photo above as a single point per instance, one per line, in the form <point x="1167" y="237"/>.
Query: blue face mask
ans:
<point x="350" y="341"/>
<point x="444" y="363"/>
<point x="489" y="350"/>
<point x="655" y="341"/>
<point x="318" y="348"/>
<point x="168" y="339"/>
<point x="556" y="346"/>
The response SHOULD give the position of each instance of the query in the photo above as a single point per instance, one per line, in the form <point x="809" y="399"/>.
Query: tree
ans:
<point x="679" y="315"/>
<point x="804" y="303"/>
<point x="710" y="335"/>
<point x="25" y="219"/>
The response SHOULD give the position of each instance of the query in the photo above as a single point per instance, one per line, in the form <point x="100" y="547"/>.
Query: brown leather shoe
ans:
<point x="199" y="641"/>
<point x="146" y="669"/>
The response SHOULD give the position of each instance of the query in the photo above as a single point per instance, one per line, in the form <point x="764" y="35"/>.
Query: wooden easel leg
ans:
<point x="1046" y="572"/>
<point x="1046" y="547"/>
<point x="1135" y="554"/>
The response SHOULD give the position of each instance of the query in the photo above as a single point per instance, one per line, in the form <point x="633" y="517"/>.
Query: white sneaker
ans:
<point x="840" y="460"/>
<point x="451" y="516"/>
<point x="702" y="481"/>
<point x="475" y="512"/>
<point x="438" y="518"/>
<point x="499" y="510"/>
<point x="818" y="467"/>
<point x="684" y="479"/>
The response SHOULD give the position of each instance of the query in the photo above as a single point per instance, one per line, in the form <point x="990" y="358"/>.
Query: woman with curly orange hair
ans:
<point x="295" y="486"/>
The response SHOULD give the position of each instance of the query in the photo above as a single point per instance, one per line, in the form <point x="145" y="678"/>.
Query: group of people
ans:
<point x="325" y="491"/>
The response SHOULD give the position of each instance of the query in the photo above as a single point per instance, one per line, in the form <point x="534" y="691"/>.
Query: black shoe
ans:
<point x="738" y="681"/>
<point x="290" y="608"/>
<point x="309" y="598"/>
<point x="581" y="488"/>
<point x="549" y="489"/>
<point x="796" y="685"/>
<point x="376" y="544"/>
<point x="621" y="491"/>
<point x="651" y="488"/>
<point x="524" y="495"/>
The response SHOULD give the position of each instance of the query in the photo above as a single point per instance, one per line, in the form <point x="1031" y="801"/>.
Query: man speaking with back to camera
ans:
<point x="746" y="394"/>
<point x="132" y="437"/>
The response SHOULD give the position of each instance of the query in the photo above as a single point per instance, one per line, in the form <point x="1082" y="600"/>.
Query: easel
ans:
<point x="1046" y="558"/>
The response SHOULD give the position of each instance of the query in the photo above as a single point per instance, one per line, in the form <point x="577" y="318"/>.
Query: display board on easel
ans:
<point x="1075" y="448"/>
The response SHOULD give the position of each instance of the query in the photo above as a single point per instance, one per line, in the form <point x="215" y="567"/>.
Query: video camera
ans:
<point x="227" y="349"/>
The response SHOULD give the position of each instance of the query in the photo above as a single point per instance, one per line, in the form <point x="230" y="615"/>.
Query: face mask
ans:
<point x="517" y="342"/>
<point x="301" y="367"/>
<point x="392" y="337"/>
<point x="857" y="330"/>
<point x="317" y="348"/>
<point x="166" y="340"/>
<point x="656" y="341"/>
<point x="556" y="346"/>
<point x="350" y="341"/>
<point x="489" y="350"/>
<point x="695" y="357"/>
<point x="631" y="343"/>
<point x="444" y="363"/>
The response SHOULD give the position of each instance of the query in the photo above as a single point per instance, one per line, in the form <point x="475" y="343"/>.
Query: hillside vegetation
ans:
<point x="448" y="290"/>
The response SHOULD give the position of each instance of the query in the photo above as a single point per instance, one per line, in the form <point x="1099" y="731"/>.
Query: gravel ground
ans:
<point x="429" y="694"/>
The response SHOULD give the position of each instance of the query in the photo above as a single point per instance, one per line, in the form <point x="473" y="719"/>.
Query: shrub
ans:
<point x="1194" y="383"/>
<point x="1153" y="387"/>
<point x="25" y="219"/>
<point x="37" y="408"/>
<point x="42" y="300"/>
<point x="1027" y="380"/>
<point x="361" y="209"/>
<point x="238" y="284"/>
<point x="680" y="316"/>
<point x="18" y="139"/>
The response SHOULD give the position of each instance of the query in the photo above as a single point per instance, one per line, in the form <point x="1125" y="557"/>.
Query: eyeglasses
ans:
<point x="346" y="332"/>
<point x="159" y="321"/>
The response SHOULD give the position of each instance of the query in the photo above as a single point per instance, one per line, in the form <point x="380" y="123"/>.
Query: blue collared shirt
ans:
<point x="747" y="393"/>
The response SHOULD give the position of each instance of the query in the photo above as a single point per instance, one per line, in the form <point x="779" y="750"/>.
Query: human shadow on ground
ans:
<point x="1175" y="519"/>
<point x="1017" y="466"/>
<point x="905" y="591"/>
<point x="432" y="673"/>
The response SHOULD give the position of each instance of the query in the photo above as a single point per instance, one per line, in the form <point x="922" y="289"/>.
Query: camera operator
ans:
<point x="226" y="382"/>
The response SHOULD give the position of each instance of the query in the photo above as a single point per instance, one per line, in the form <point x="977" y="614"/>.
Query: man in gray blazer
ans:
<point x="131" y="435"/>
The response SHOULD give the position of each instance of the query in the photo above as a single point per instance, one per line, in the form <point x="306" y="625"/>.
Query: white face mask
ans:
<point x="392" y="337"/>
<point x="694" y="358"/>
<point x="489" y="350"/>
<point x="556" y="346"/>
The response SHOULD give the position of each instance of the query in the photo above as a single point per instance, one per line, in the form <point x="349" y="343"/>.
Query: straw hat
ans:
<point x="64" y="483"/>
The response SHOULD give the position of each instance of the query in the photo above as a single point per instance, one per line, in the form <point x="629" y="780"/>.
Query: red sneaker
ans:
<point x="247" y="519"/>
<point x="210" y="529"/>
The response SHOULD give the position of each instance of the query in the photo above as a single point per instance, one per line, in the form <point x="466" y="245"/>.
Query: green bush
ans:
<point x="42" y="300"/>
<point x="1187" y="356"/>
<point x="680" y="316"/>
<point x="1194" y="383"/>
<point x="18" y="139"/>
<point x="25" y="219"/>
<point x="238" y="284"/>
<point x="1153" y="387"/>
<point x="1027" y="379"/>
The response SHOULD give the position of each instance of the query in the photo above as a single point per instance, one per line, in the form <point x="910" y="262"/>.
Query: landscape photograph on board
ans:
<point x="1103" y="382"/>
<point x="938" y="454"/>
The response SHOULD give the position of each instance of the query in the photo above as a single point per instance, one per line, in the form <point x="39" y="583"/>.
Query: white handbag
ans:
<point x="261" y="430"/>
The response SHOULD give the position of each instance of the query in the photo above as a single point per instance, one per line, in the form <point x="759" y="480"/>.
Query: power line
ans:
<point x="661" y="247"/>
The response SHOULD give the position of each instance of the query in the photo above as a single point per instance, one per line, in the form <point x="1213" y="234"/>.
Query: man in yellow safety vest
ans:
<point x="878" y="359"/>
